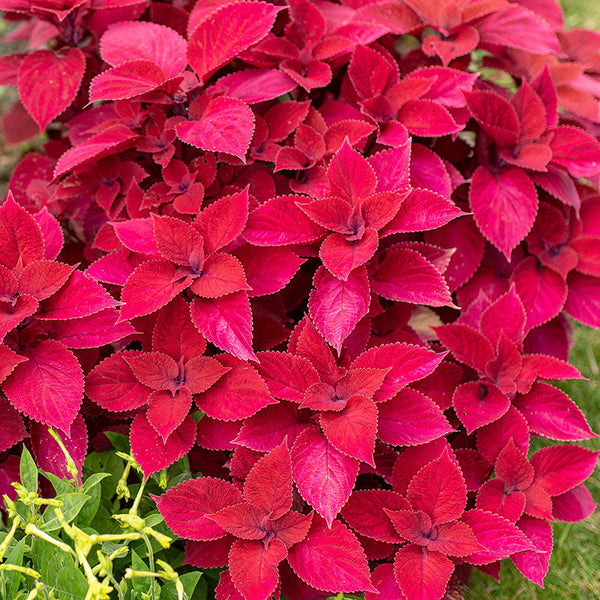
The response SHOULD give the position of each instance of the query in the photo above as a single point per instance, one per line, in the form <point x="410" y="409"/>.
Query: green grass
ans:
<point x="582" y="13"/>
<point x="574" y="572"/>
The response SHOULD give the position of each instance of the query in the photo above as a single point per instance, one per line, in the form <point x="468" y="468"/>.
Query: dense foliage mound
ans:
<point x="326" y="251"/>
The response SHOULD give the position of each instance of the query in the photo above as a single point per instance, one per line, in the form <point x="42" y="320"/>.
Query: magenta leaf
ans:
<point x="139" y="40"/>
<point x="48" y="387"/>
<point x="253" y="567"/>
<point x="331" y="559"/>
<point x="127" y="80"/>
<point x="148" y="448"/>
<point x="167" y="410"/>
<point x="222" y="274"/>
<point x="185" y="507"/>
<point x="406" y="276"/>
<point x="479" y="403"/>
<point x="560" y="468"/>
<point x="411" y="418"/>
<point x="113" y="386"/>
<point x="238" y="394"/>
<point x="422" y="574"/>
<point x="48" y="83"/>
<point x="364" y="512"/>
<point x="551" y="413"/>
<point x="504" y="204"/>
<point x="353" y="429"/>
<point x="439" y="490"/>
<point x="226" y="125"/>
<point x="226" y="322"/>
<point x="233" y="28"/>
<point x="150" y="287"/>
<point x="324" y="476"/>
<point x="534" y="563"/>
<point x="269" y="483"/>
<point x="13" y="428"/>
<point x="499" y="537"/>
<point x="337" y="306"/>
<point x="287" y="376"/>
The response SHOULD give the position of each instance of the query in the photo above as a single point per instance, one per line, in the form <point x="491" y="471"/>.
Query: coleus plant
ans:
<point x="317" y="249"/>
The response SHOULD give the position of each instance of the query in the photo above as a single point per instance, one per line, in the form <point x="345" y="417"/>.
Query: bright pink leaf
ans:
<point x="226" y="125"/>
<point x="49" y="386"/>
<point x="324" y="476"/>
<point x="504" y="204"/>
<point x="48" y="83"/>
<point x="226" y="322"/>
<point x="148" y="448"/>
<point x="479" y="403"/>
<point x="13" y="427"/>
<point x="185" y="507"/>
<point x="222" y="274"/>
<point x="167" y="410"/>
<point x="219" y="39"/>
<point x="421" y="574"/>
<point x="331" y="559"/>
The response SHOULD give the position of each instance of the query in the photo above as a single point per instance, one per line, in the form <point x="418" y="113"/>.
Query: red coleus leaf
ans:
<point x="92" y="331"/>
<point x="504" y="204"/>
<point x="13" y="427"/>
<point x="48" y="83"/>
<point x="495" y="115"/>
<point x="439" y="490"/>
<point x="20" y="235"/>
<point x="468" y="345"/>
<point x="51" y="457"/>
<point x="223" y="221"/>
<point x="81" y="296"/>
<point x="576" y="150"/>
<point x="113" y="386"/>
<point x="175" y="334"/>
<point x="337" y="306"/>
<point x="493" y="497"/>
<point x="8" y="361"/>
<point x="149" y="449"/>
<point x="422" y="574"/>
<point x="153" y="369"/>
<point x="287" y="376"/>
<point x="267" y="428"/>
<point x="238" y="394"/>
<point x="551" y="413"/>
<point x="324" y="476"/>
<point x="253" y="567"/>
<point x="499" y="537"/>
<point x="185" y="507"/>
<point x="479" y="403"/>
<point x="226" y="322"/>
<point x="167" y="409"/>
<point x="218" y="39"/>
<point x="341" y="256"/>
<point x="534" y="564"/>
<point x="178" y="242"/>
<point x="151" y="286"/>
<point x="406" y="276"/>
<point x="127" y="80"/>
<point x="331" y="559"/>
<point x="48" y="387"/>
<point x="353" y="429"/>
<point x="411" y="418"/>
<point x="279" y="222"/>
<point x="560" y="468"/>
<point x="269" y="483"/>
<point x="226" y="125"/>
<point x="212" y="554"/>
<point x="222" y="274"/>
<point x="42" y="278"/>
<point x="139" y="40"/>
<point x="364" y="512"/>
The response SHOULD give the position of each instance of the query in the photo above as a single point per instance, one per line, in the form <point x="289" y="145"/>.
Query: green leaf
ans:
<point x="72" y="504"/>
<point x="189" y="581"/>
<point x="61" y="486"/>
<point x="29" y="472"/>
<point x="92" y="481"/>
<point x="90" y="508"/>
<point x="119" y="441"/>
<point x="142" y="585"/>
<point x="59" y="572"/>
<point x="11" y="580"/>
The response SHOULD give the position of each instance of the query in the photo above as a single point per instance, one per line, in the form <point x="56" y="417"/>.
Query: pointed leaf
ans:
<point x="48" y="83"/>
<point x="148" y="448"/>
<point x="421" y="574"/>
<point x="167" y="410"/>
<point x="324" y="476"/>
<point x="185" y="507"/>
<point x="226" y="322"/>
<point x="331" y="559"/>
<point x="222" y="274"/>
<point x="477" y="404"/>
<point x="48" y="387"/>
<point x="337" y="306"/>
